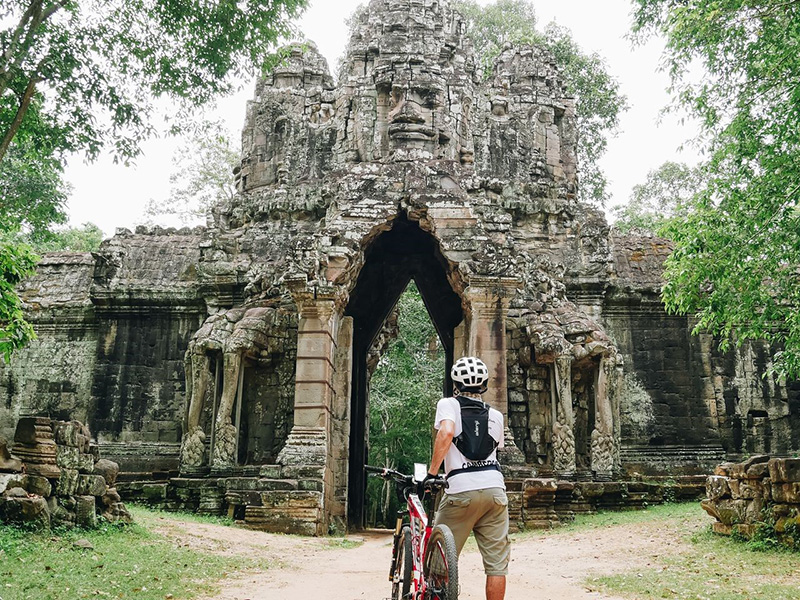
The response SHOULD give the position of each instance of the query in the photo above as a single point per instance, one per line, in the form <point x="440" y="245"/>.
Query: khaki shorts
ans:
<point x="485" y="513"/>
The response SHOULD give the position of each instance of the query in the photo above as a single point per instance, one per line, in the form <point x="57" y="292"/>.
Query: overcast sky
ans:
<point x="114" y="196"/>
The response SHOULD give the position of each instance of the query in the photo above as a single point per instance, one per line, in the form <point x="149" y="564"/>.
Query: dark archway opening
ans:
<point x="403" y="253"/>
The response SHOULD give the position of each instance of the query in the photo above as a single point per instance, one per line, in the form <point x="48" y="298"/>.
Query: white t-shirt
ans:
<point x="449" y="409"/>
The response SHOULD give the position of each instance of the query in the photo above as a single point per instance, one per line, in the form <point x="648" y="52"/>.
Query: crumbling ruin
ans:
<point x="410" y="166"/>
<point x="761" y="492"/>
<point x="54" y="476"/>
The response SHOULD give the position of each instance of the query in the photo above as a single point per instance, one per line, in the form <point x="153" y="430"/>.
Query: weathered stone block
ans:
<point x="67" y="457"/>
<point x="85" y="514"/>
<point x="288" y="500"/>
<point x="108" y="469"/>
<point x="86" y="463"/>
<point x="91" y="485"/>
<point x="8" y="463"/>
<point x="717" y="487"/>
<point x="784" y="470"/>
<point x="36" y="484"/>
<point x="29" y="511"/>
<point x="67" y="482"/>
<point x="154" y="492"/>
<point x="788" y="493"/>
<point x="316" y="485"/>
<point x="270" y="471"/>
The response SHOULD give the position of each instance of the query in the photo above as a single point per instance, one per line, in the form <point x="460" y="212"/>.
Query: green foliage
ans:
<point x="129" y="561"/>
<point x="17" y="261"/>
<point x="32" y="192"/>
<point x="665" y="195"/>
<point x="599" y="101"/>
<point x="202" y="176"/>
<point x="404" y="391"/>
<point x="98" y="66"/>
<point x="735" y="264"/>
<point x="86" y="238"/>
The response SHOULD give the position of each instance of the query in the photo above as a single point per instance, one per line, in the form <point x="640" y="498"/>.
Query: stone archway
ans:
<point x="397" y="256"/>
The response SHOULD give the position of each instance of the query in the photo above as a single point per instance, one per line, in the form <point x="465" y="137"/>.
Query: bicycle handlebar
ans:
<point x="385" y="473"/>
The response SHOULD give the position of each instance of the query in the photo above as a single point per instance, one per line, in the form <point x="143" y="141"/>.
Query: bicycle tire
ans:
<point x="403" y="565"/>
<point x="440" y="566"/>
<point x="401" y="578"/>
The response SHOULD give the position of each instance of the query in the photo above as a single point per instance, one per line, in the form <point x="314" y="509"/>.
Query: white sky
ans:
<point x="114" y="196"/>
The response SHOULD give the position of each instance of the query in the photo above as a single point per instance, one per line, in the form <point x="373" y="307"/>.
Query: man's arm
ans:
<point x="444" y="438"/>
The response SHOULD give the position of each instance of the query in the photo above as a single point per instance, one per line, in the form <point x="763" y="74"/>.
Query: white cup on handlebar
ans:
<point x="420" y="472"/>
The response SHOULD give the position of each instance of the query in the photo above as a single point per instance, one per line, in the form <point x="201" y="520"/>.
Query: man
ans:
<point x="469" y="433"/>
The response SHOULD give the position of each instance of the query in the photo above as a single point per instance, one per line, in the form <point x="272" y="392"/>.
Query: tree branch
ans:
<point x="25" y="102"/>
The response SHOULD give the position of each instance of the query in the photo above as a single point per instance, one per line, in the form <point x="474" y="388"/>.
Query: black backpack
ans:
<point x="474" y="441"/>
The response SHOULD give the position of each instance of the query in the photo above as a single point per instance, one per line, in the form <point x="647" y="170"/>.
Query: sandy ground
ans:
<point x="557" y="565"/>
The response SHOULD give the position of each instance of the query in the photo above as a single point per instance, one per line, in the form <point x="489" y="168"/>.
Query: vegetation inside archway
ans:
<point x="403" y="393"/>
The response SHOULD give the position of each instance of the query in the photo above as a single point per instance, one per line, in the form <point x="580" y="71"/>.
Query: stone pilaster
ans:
<point x="564" y="421"/>
<point x="489" y="298"/>
<point x="309" y="442"/>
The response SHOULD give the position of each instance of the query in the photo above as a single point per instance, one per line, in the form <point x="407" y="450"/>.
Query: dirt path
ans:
<point x="552" y="566"/>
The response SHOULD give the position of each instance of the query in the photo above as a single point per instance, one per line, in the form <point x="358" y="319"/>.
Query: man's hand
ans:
<point x="426" y="485"/>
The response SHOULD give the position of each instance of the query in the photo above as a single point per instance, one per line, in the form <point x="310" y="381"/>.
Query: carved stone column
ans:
<point x="486" y="338"/>
<point x="198" y="367"/>
<point x="223" y="453"/>
<point x="603" y="433"/>
<point x="564" y="419"/>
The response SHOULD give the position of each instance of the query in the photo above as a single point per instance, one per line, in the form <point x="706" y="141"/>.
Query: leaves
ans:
<point x="17" y="261"/>
<point x="598" y="98"/>
<point x="404" y="391"/>
<point x="202" y="176"/>
<point x="736" y="264"/>
<point x="665" y="195"/>
<point x="99" y="66"/>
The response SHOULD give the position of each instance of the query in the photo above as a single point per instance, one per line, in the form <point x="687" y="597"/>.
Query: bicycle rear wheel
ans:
<point x="440" y="567"/>
<point x="401" y="578"/>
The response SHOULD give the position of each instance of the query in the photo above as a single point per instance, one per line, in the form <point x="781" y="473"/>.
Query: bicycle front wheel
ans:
<point x="401" y="578"/>
<point x="440" y="567"/>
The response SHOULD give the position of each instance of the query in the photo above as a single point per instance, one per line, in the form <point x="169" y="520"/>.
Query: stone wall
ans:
<point x="685" y="404"/>
<point x="112" y="330"/>
<point x="760" y="493"/>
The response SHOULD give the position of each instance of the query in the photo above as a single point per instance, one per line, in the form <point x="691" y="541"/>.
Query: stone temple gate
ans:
<point x="410" y="166"/>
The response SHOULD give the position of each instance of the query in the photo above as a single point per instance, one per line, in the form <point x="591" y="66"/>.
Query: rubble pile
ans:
<point x="762" y="491"/>
<point x="54" y="476"/>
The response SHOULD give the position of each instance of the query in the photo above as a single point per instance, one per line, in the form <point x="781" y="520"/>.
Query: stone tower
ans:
<point x="412" y="167"/>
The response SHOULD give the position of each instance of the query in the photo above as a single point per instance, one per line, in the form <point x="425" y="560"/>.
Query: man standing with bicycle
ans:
<point x="469" y="433"/>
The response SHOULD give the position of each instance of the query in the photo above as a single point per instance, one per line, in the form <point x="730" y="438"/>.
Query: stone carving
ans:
<point x="563" y="434"/>
<point x="8" y="463"/>
<point x="603" y="442"/>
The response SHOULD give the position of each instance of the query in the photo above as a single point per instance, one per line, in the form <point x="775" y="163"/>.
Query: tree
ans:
<point x="403" y="393"/>
<point x="16" y="263"/>
<point x="95" y="67"/>
<point x="202" y="176"/>
<point x="664" y="196"/>
<point x="599" y="101"/>
<point x="736" y="264"/>
<point x="86" y="238"/>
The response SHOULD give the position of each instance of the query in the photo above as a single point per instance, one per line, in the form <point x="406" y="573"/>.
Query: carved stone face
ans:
<point x="413" y="113"/>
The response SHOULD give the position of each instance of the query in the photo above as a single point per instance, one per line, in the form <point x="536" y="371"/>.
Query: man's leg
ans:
<point x="495" y="587"/>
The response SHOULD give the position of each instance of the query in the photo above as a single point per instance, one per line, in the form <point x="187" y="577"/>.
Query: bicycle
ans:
<point x="421" y="554"/>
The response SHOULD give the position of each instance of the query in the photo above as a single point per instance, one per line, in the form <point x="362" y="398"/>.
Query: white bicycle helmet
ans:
<point x="470" y="373"/>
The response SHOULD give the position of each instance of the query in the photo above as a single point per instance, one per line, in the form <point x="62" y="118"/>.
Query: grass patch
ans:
<point x="126" y="562"/>
<point x="712" y="568"/>
<point x="141" y="512"/>
<point x="342" y="543"/>
<point x="611" y="518"/>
